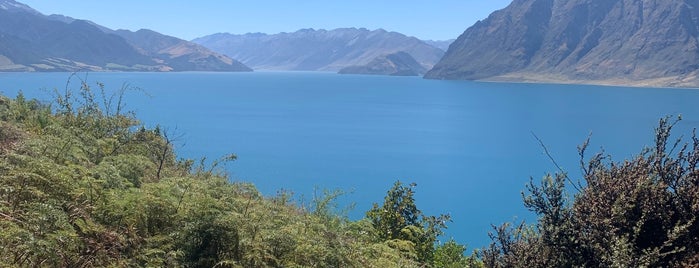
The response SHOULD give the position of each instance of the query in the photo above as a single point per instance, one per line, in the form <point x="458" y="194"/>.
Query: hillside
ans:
<point x="581" y="41"/>
<point x="32" y="41"/>
<point x="84" y="184"/>
<point x="180" y="55"/>
<point x="395" y="64"/>
<point x="318" y="50"/>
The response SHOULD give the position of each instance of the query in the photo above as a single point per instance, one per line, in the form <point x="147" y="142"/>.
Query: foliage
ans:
<point x="636" y="213"/>
<point x="84" y="184"/>
<point x="400" y="224"/>
<point x="451" y="255"/>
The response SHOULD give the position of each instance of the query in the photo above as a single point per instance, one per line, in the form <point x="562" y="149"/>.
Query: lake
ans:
<point x="468" y="145"/>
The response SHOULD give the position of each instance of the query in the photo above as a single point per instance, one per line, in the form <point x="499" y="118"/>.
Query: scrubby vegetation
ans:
<point x="636" y="213"/>
<point x="84" y="184"/>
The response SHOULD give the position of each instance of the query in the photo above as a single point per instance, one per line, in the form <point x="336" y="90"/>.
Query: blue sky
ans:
<point x="437" y="20"/>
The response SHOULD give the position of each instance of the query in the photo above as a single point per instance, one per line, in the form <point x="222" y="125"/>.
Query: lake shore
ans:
<point x="691" y="81"/>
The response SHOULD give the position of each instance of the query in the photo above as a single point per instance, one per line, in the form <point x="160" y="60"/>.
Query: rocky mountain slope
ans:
<point x="396" y="64"/>
<point x="588" y="41"/>
<point x="318" y="50"/>
<point x="31" y="41"/>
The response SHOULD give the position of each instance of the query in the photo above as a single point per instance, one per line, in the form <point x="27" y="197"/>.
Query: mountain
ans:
<point x="180" y="54"/>
<point x="318" y="50"/>
<point x="629" y="42"/>
<point x="396" y="64"/>
<point x="441" y="44"/>
<point x="15" y="7"/>
<point x="31" y="41"/>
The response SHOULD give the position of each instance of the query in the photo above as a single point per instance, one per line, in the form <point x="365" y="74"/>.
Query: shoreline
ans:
<point x="532" y="78"/>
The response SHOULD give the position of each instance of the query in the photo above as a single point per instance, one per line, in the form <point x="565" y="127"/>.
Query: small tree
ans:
<point x="451" y="255"/>
<point x="399" y="219"/>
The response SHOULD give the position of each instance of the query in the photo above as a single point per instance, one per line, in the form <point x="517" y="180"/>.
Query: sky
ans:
<point x="435" y="20"/>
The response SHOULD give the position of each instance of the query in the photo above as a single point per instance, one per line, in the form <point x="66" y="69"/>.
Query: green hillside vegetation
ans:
<point x="84" y="184"/>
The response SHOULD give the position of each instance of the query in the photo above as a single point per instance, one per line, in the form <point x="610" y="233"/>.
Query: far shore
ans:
<point x="690" y="82"/>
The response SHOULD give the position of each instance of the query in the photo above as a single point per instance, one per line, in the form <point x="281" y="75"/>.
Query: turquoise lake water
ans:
<point x="468" y="145"/>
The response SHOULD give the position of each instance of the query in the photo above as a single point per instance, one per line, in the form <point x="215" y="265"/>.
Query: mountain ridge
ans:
<point x="14" y="6"/>
<point x="32" y="41"/>
<point x="441" y="44"/>
<point x="181" y="54"/>
<point x="318" y="50"/>
<point x="617" y="42"/>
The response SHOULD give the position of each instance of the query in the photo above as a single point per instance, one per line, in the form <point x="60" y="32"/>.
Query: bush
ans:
<point x="636" y="213"/>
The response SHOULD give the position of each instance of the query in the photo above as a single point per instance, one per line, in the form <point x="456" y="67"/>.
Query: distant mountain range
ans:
<point x="443" y="45"/>
<point x="647" y="43"/>
<point x="627" y="42"/>
<point x="31" y="41"/>
<point x="319" y="50"/>
<point x="395" y="64"/>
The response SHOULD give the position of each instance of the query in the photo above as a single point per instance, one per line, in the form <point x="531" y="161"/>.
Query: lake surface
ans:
<point x="468" y="145"/>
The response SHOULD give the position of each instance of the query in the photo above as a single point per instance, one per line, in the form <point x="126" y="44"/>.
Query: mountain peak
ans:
<point x="306" y="30"/>
<point x="14" y="6"/>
